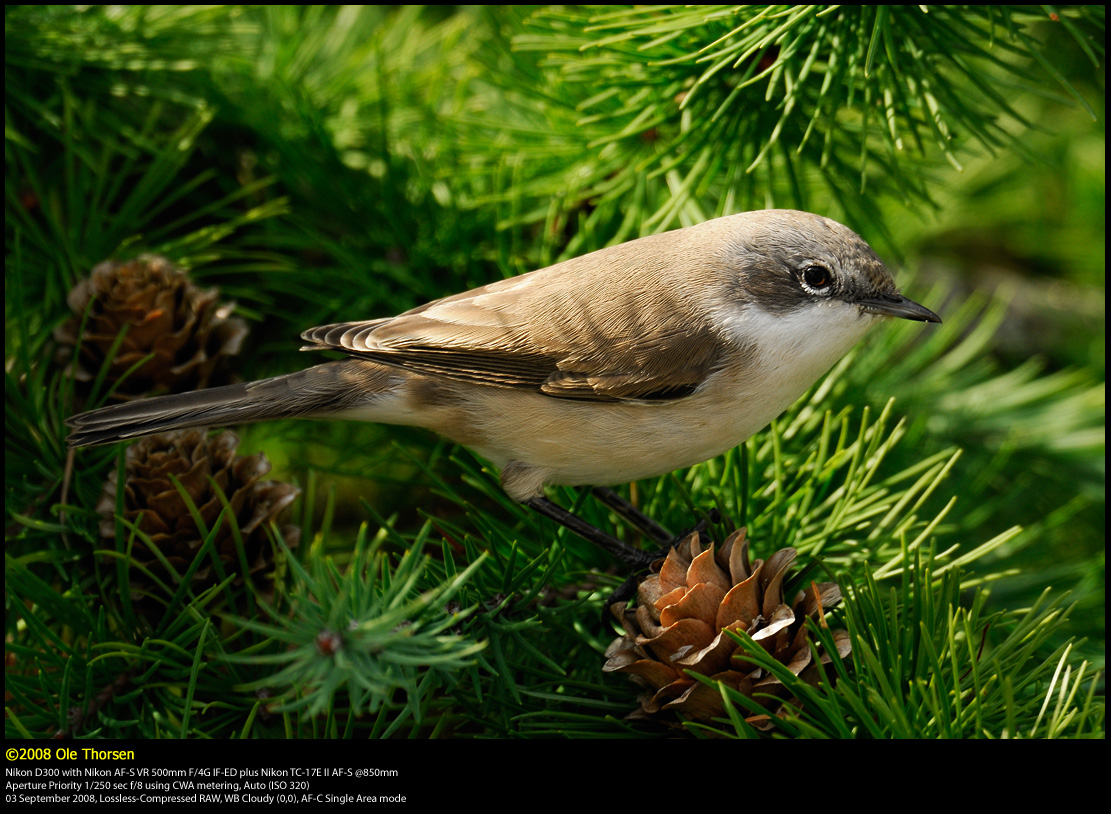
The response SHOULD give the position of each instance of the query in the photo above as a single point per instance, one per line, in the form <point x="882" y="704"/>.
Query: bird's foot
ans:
<point x="646" y="559"/>
<point x="638" y="559"/>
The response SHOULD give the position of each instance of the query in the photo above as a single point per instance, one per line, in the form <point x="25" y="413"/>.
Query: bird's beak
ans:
<point x="896" y="305"/>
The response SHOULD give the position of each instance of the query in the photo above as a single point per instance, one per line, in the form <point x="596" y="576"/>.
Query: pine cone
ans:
<point x="190" y="334"/>
<point x="680" y="622"/>
<point x="152" y="502"/>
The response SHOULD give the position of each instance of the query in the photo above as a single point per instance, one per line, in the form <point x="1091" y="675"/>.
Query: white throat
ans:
<point x="794" y="350"/>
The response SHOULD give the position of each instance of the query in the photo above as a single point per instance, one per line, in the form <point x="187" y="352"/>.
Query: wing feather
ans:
<point x="609" y="326"/>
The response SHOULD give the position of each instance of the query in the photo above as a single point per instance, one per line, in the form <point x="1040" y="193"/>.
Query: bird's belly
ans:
<point x="598" y="443"/>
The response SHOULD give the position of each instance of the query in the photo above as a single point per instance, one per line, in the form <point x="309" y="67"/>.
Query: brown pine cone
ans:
<point x="152" y="502"/>
<point x="187" y="331"/>
<point x="680" y="624"/>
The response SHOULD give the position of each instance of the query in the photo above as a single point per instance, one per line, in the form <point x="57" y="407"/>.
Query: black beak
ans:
<point x="896" y="305"/>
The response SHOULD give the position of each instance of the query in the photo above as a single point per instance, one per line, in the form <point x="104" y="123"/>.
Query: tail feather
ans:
<point x="314" y="392"/>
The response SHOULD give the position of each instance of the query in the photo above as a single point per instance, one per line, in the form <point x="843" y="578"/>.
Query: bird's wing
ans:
<point x="594" y="337"/>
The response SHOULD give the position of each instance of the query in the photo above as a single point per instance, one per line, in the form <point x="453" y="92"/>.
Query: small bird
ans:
<point x="625" y="363"/>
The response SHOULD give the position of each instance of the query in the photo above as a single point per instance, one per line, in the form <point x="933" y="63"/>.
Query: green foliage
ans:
<point x="320" y="163"/>
<point x="366" y="631"/>
<point x="686" y="112"/>
<point x="922" y="667"/>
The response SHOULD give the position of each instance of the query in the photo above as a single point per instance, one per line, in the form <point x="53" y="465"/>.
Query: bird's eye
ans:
<point x="817" y="278"/>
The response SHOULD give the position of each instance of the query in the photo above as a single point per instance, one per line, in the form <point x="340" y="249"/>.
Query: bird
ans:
<point x="629" y="362"/>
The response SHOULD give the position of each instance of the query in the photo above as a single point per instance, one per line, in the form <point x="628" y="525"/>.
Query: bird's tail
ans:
<point x="315" y="392"/>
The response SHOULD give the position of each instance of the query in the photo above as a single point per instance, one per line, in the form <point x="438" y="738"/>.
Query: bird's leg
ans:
<point x="713" y="517"/>
<point x="635" y="516"/>
<point x="622" y="551"/>
<point x="637" y="558"/>
<point x="646" y="525"/>
<point x="625" y="590"/>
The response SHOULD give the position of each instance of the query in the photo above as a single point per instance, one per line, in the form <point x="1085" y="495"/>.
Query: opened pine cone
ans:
<point x="680" y="625"/>
<point x="188" y="333"/>
<point x="152" y="502"/>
